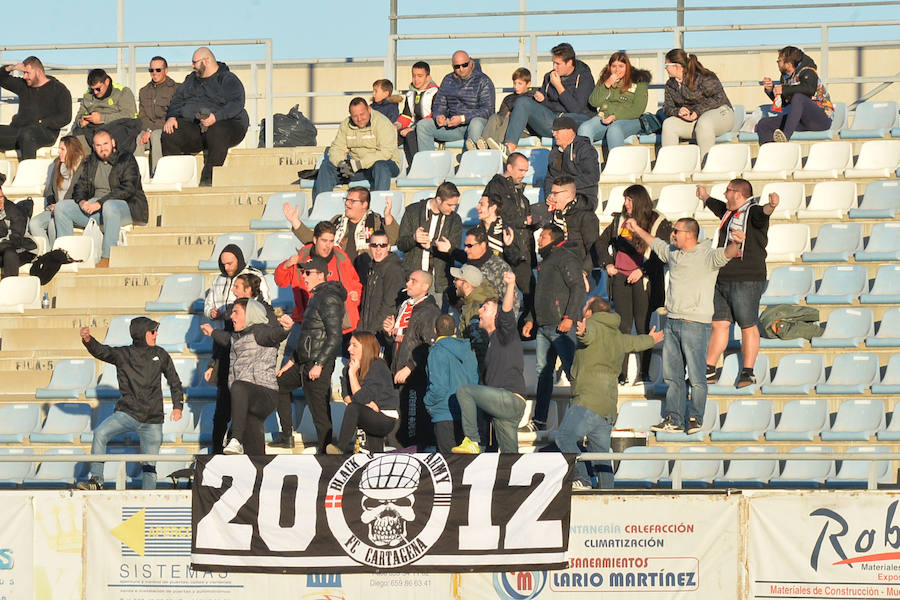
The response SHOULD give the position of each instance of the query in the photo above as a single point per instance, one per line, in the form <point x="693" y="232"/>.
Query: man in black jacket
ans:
<point x="15" y="248"/>
<point x="558" y="300"/>
<point x="575" y="156"/>
<point x="206" y="113"/>
<point x="410" y="334"/>
<point x="109" y="188"/>
<point x="569" y="211"/>
<point x="382" y="278"/>
<point x="45" y="107"/>
<point x="140" y="408"/>
<point x="318" y="345"/>
<point x="423" y="225"/>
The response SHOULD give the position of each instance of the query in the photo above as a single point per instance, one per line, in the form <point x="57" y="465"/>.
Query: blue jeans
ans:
<point x="536" y="116"/>
<point x="112" y="215"/>
<point x="504" y="407"/>
<point x="549" y="344"/>
<point x="427" y="132"/>
<point x="579" y="422"/>
<point x="149" y="435"/>
<point x="378" y="175"/>
<point x="614" y="133"/>
<point x="41" y="225"/>
<point x="685" y="342"/>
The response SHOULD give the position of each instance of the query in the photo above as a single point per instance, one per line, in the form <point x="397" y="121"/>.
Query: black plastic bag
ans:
<point x="292" y="129"/>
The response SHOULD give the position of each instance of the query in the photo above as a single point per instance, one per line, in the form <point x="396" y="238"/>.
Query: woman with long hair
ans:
<point x="368" y="390"/>
<point x="64" y="173"/>
<point x="636" y="285"/>
<point x="619" y="98"/>
<point x="695" y="103"/>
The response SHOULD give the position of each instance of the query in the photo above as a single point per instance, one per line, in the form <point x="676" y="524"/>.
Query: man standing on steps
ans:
<point x="140" y="409"/>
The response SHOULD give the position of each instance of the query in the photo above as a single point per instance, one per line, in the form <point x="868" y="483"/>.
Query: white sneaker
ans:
<point x="580" y="486"/>
<point x="233" y="447"/>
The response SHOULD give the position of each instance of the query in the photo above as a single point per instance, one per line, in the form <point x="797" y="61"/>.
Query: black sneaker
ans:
<point x="667" y="425"/>
<point x="282" y="441"/>
<point x="623" y="379"/>
<point x="93" y="484"/>
<point x="746" y="379"/>
<point x="711" y="376"/>
<point x="694" y="425"/>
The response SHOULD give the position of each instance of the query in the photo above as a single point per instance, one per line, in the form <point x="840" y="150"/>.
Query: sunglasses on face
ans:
<point x="461" y="66"/>
<point x="153" y="70"/>
<point x="469" y="245"/>
<point x="97" y="89"/>
<point x="374" y="245"/>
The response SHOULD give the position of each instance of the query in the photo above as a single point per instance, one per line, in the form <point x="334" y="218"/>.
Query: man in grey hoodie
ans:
<point x="693" y="268"/>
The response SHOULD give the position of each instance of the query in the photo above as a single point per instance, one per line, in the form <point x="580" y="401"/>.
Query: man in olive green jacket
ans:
<point x="598" y="360"/>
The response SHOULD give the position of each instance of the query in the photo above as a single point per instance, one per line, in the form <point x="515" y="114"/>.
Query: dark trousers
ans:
<point x="124" y="131"/>
<point x="10" y="263"/>
<point x="632" y="303"/>
<point x="445" y="434"/>
<point x="415" y="424"/>
<point x="189" y="139"/>
<point x="377" y="426"/>
<point x="317" y="393"/>
<point x="804" y="115"/>
<point x="222" y="414"/>
<point x="410" y="146"/>
<point x="26" y="139"/>
<point x="250" y="405"/>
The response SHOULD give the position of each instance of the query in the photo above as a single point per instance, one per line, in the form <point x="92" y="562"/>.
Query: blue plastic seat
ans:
<point x="891" y="433"/>
<point x="696" y="473"/>
<point x="187" y="374"/>
<point x="746" y="420"/>
<point x="801" y="420"/>
<point x="428" y="169"/>
<point x="890" y="381"/>
<point x="797" y="374"/>
<point x="107" y="386"/>
<point x="281" y="296"/>
<point x="172" y="430"/>
<point x="789" y="284"/>
<point x="477" y="167"/>
<point x="731" y="370"/>
<point x="871" y="120"/>
<point x="468" y="201"/>
<point x="422" y="195"/>
<point x="180" y="459"/>
<point x="273" y="214"/>
<point x="118" y="333"/>
<point x="178" y="293"/>
<point x="883" y="245"/>
<point x="710" y="424"/>
<point x="835" y="242"/>
<point x="178" y="333"/>
<point x="69" y="380"/>
<point x="18" y="420"/>
<point x="638" y="415"/>
<point x="886" y="289"/>
<point x="851" y="374"/>
<point x="537" y="165"/>
<point x="325" y="206"/>
<point x="881" y="201"/>
<point x="838" y="122"/>
<point x="245" y="241"/>
<point x="198" y="388"/>
<point x="202" y="431"/>
<point x="307" y="184"/>
<point x="805" y="473"/>
<point x="749" y="473"/>
<point x="276" y="248"/>
<point x="855" y="473"/>
<point x="841" y="284"/>
<point x="56" y="474"/>
<point x="12" y="474"/>
<point x="858" y="419"/>
<point x="846" y="328"/>
<point x="64" y="423"/>
<point x="398" y="203"/>
<point x="641" y="473"/>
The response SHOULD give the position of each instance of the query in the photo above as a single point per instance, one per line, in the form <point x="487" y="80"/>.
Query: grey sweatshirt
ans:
<point x="692" y="279"/>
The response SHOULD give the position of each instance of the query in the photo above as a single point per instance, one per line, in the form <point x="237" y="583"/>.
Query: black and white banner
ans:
<point x="382" y="512"/>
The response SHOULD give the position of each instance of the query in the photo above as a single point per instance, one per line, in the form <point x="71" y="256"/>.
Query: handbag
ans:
<point x="649" y="123"/>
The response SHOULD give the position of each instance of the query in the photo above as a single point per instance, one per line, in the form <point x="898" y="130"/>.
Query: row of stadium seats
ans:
<point x="840" y="284"/>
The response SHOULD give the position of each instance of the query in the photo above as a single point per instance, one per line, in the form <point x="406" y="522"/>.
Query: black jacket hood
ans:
<point x="139" y="328"/>
<point x="238" y="253"/>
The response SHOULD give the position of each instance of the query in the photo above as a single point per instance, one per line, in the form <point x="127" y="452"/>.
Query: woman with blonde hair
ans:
<point x="64" y="173"/>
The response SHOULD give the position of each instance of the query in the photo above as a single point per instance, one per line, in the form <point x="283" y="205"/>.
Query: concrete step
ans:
<point x="167" y="257"/>
<point x="18" y="385"/>
<point x="210" y="216"/>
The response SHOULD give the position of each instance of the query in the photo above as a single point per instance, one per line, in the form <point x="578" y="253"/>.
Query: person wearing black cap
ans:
<point x="575" y="156"/>
<point x="318" y="344"/>
<point x="140" y="409"/>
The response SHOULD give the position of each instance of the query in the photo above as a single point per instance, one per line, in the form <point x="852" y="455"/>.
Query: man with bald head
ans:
<point x="206" y="113"/>
<point x="45" y="106"/>
<point x="461" y="106"/>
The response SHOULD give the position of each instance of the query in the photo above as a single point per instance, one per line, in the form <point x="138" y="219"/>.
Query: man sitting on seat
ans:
<point x="45" y="107"/>
<point x="155" y="98"/>
<point x="108" y="191"/>
<point x="206" y="113"/>
<point x="109" y="106"/>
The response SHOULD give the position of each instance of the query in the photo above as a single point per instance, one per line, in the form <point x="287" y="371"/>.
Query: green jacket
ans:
<point x="625" y="104"/>
<point x="598" y="360"/>
<point x="118" y="104"/>
<point x="376" y="141"/>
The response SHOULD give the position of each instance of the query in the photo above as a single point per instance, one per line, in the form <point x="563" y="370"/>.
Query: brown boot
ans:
<point x="103" y="263"/>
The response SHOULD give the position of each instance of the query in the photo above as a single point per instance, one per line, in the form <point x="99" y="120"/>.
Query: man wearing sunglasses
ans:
<point x="155" y="98"/>
<point x="109" y="106"/>
<point x="461" y="106"/>
<point x="383" y="278"/>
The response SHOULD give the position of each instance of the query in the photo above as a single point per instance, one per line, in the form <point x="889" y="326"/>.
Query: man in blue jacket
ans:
<point x="451" y="363"/>
<point x="206" y="113"/>
<point x="461" y="106"/>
